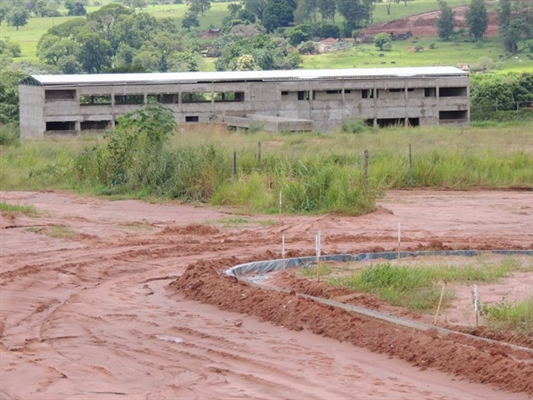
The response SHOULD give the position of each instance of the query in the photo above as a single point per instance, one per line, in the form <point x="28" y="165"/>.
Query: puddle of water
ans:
<point x="172" y="339"/>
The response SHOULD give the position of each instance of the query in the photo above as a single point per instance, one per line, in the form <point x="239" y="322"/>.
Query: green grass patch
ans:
<point x="323" y="271"/>
<point x="506" y="316"/>
<point x="29" y="210"/>
<point x="434" y="53"/>
<point x="416" y="287"/>
<point x="28" y="35"/>
<point x="61" y="232"/>
<point x="316" y="172"/>
<point x="402" y="10"/>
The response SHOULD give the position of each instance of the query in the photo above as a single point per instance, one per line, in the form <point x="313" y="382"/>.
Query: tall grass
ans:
<point x="415" y="287"/>
<point x="16" y="208"/>
<point x="315" y="172"/>
<point x="506" y="316"/>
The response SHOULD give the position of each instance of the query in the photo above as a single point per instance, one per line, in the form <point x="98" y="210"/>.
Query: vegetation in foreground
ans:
<point x="415" y="287"/>
<point x="15" y="208"/>
<point x="146" y="157"/>
<point x="505" y="316"/>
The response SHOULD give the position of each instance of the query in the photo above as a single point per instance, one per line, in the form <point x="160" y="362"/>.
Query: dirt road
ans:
<point x="95" y="302"/>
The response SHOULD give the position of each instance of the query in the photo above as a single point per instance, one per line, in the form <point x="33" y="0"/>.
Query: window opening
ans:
<point x="95" y="100"/>
<point x="452" y="91"/>
<point x="61" y="126"/>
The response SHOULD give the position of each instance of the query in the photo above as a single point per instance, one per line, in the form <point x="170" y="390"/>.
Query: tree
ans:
<point x="95" y="53"/>
<point x="246" y="62"/>
<point x="4" y="9"/>
<point x="477" y="19"/>
<point x="299" y="34"/>
<point x="355" y="13"/>
<point x="306" y="11"/>
<point x="327" y="10"/>
<point x="9" y="96"/>
<point x="329" y="30"/>
<point x="17" y="17"/>
<point x="51" y="48"/>
<point x="278" y="13"/>
<point x="69" y="65"/>
<point x="234" y="9"/>
<point x="75" y="7"/>
<point x="190" y="20"/>
<point x="388" y="5"/>
<point x="516" y="25"/>
<point x="445" y="22"/>
<point x="256" y="7"/>
<point x="381" y="39"/>
<point x="308" y="48"/>
<point x="133" y="4"/>
<point x="199" y="6"/>
<point x="104" y="20"/>
<point x="10" y="48"/>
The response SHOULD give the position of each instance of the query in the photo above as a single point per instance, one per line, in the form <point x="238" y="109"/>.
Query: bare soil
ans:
<point x="424" y="24"/>
<point x="125" y="299"/>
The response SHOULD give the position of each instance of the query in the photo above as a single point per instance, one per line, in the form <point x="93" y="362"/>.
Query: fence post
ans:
<point x="259" y="151"/>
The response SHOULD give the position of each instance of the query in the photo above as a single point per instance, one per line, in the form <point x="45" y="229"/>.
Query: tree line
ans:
<point x="515" y="22"/>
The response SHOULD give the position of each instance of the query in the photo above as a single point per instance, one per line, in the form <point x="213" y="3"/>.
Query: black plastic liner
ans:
<point x="263" y="267"/>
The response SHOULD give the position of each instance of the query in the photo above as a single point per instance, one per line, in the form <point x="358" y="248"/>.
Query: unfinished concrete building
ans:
<point x="294" y="100"/>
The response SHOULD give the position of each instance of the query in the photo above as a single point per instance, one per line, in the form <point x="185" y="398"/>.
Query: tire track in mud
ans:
<point x="471" y="360"/>
<point x="94" y="319"/>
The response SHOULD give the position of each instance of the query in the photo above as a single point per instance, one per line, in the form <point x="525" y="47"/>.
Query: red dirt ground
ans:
<point x="424" y="24"/>
<point x="124" y="299"/>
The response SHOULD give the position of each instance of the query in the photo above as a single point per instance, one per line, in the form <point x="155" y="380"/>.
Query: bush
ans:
<point x="308" y="47"/>
<point x="133" y="156"/>
<point x="9" y="135"/>
<point x="354" y="126"/>
<point x="503" y="315"/>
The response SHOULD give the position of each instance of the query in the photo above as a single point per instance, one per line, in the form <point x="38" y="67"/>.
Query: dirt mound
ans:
<point x="192" y="229"/>
<point x="466" y="358"/>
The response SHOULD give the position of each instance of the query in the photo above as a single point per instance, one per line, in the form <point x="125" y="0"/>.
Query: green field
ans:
<point x="28" y="36"/>
<point x="403" y="54"/>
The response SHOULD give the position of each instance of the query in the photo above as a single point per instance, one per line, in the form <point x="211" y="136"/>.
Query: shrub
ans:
<point x="354" y="126"/>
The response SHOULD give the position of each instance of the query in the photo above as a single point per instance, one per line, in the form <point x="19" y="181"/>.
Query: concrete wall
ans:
<point x="326" y="102"/>
<point x="31" y="111"/>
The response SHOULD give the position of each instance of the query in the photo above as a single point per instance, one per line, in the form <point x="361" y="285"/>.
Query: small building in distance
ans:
<point x="289" y="100"/>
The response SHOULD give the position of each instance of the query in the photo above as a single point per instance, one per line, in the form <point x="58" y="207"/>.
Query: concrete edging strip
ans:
<point x="262" y="267"/>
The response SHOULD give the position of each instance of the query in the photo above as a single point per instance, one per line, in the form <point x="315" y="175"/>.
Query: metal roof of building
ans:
<point x="229" y="76"/>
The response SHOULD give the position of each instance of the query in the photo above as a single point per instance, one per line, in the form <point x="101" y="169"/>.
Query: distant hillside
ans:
<point x="424" y="24"/>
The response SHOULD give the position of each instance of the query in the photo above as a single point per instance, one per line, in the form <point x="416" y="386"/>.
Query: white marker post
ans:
<point x="283" y="249"/>
<point x="317" y="246"/>
<point x="399" y="240"/>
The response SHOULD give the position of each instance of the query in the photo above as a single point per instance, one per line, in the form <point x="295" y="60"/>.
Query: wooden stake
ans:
<point x="440" y="302"/>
